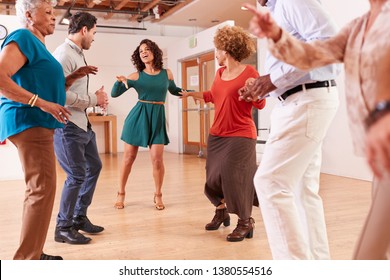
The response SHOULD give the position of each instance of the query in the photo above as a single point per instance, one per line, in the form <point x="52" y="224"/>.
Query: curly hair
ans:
<point x="157" y="54"/>
<point x="235" y="41"/>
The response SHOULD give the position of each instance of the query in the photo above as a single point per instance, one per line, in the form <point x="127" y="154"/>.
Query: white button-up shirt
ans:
<point x="307" y="21"/>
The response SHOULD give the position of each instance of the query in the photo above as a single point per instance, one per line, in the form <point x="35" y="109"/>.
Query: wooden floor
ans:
<point x="139" y="232"/>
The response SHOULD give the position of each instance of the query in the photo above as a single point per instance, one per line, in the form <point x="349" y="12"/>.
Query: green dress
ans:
<point x="145" y="124"/>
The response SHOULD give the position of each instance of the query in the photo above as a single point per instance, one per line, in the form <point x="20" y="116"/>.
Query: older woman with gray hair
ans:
<point x="31" y="107"/>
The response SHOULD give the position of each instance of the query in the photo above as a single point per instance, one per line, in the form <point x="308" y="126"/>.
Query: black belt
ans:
<point x="307" y="86"/>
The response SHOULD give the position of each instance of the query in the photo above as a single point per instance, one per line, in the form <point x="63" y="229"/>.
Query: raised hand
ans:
<point x="79" y="73"/>
<point x="123" y="80"/>
<point x="262" y="24"/>
<point x="85" y="70"/>
<point x="102" y="98"/>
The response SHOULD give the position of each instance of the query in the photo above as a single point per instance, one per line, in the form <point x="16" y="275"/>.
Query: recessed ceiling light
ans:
<point x="244" y="9"/>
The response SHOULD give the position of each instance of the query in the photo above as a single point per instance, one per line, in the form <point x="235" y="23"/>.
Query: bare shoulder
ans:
<point x="133" y="76"/>
<point x="170" y="75"/>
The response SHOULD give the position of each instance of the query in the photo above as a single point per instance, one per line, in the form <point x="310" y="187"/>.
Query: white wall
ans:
<point x="338" y="155"/>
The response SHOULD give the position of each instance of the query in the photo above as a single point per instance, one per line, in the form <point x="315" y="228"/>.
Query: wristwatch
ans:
<point x="381" y="109"/>
<point x="3" y="32"/>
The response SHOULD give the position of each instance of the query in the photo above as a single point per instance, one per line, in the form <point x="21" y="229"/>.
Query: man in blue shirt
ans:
<point x="75" y="144"/>
<point x="287" y="180"/>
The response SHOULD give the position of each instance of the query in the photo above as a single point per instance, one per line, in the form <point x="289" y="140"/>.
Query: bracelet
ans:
<point x="31" y="99"/>
<point x="35" y="100"/>
<point x="381" y="109"/>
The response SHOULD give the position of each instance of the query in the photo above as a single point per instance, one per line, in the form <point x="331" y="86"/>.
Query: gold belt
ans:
<point x="152" y="102"/>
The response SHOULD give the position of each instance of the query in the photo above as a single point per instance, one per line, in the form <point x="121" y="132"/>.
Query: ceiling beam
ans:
<point x="151" y="5"/>
<point x="173" y="10"/>
<point x="117" y="8"/>
<point x="85" y="9"/>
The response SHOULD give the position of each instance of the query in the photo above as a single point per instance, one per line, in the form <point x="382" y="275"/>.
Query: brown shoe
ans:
<point x="243" y="230"/>
<point x="221" y="216"/>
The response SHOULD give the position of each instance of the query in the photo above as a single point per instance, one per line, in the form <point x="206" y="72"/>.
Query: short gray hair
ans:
<point x="22" y="6"/>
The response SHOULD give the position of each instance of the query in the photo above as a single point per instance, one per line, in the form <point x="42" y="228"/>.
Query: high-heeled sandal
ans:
<point x="159" y="206"/>
<point x="119" y="204"/>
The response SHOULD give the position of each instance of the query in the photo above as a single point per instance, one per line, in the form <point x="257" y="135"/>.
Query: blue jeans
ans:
<point x="77" y="154"/>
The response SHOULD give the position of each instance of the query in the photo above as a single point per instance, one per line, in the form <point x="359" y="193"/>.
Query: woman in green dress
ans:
<point x="145" y="125"/>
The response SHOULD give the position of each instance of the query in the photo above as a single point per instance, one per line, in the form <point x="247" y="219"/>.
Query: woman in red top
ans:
<point x="231" y="147"/>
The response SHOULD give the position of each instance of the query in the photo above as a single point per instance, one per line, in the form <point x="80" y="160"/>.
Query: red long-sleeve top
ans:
<point x="233" y="118"/>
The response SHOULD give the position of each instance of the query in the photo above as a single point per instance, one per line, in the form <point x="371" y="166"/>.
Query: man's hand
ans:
<point x="102" y="98"/>
<point x="79" y="73"/>
<point x="256" y="89"/>
<point x="262" y="24"/>
<point x="86" y="70"/>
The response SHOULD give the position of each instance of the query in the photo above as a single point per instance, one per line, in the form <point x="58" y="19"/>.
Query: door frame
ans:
<point x="195" y="61"/>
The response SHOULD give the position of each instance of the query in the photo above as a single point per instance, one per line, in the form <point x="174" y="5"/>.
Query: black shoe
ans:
<point x="45" y="257"/>
<point x="84" y="224"/>
<point x="70" y="235"/>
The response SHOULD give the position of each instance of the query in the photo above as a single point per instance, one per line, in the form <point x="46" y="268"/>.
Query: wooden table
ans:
<point x="110" y="143"/>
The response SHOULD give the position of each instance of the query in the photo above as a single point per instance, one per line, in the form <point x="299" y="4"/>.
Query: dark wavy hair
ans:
<point x="79" y="20"/>
<point x="157" y="53"/>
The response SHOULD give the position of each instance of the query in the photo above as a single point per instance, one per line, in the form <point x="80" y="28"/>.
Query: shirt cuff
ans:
<point x="92" y="100"/>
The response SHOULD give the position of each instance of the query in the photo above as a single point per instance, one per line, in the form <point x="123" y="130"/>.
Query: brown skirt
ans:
<point x="230" y="168"/>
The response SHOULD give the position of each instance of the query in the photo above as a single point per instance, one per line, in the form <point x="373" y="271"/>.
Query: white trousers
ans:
<point x="287" y="180"/>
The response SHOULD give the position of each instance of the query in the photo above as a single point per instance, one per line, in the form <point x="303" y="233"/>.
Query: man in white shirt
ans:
<point x="75" y="144"/>
<point x="287" y="180"/>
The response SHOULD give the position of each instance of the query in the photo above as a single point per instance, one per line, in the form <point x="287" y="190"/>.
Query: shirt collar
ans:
<point x="74" y="46"/>
<point x="271" y="4"/>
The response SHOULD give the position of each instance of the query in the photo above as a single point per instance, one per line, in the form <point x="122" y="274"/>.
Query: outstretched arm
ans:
<point x="122" y="84"/>
<point x="194" y="94"/>
<point x="172" y="88"/>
